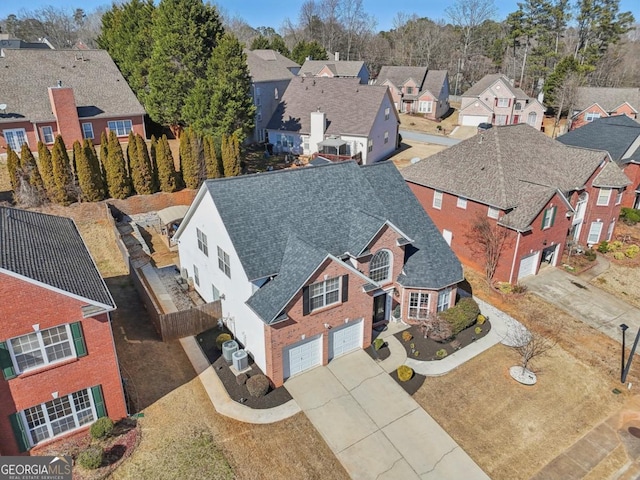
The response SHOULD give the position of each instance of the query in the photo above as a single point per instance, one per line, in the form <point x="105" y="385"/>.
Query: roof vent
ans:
<point x="3" y="108"/>
<point x="59" y="83"/>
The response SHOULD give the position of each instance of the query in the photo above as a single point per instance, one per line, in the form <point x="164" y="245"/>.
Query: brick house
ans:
<point x="335" y="69"/>
<point x="597" y="102"/>
<point x="304" y="271"/>
<point x="495" y="100"/>
<point x="337" y="118"/>
<point x="536" y="190"/>
<point x="57" y="355"/>
<point x="620" y="136"/>
<point x="77" y="94"/>
<point x="417" y="90"/>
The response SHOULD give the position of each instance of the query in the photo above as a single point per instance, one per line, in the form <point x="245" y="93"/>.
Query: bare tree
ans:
<point x="530" y="344"/>
<point x="432" y="326"/>
<point x="488" y="240"/>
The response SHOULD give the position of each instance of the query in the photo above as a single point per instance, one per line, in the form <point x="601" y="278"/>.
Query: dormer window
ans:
<point x="380" y="266"/>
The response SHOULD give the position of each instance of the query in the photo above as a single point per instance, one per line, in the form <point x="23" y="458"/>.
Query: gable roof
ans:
<point x="269" y="65"/>
<point x="398" y="75"/>
<point x="341" y="68"/>
<point x="487" y="81"/>
<point x="434" y="81"/>
<point x="301" y="225"/>
<point x="99" y="88"/>
<point x="608" y="98"/>
<point x="50" y="250"/>
<point x="350" y="106"/>
<point x="614" y="134"/>
<point x="513" y="168"/>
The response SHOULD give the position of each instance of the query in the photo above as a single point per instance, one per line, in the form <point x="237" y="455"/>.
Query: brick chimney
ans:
<point x="63" y="105"/>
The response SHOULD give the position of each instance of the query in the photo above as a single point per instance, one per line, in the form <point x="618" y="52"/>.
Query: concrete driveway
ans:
<point x="585" y="301"/>
<point x="374" y="427"/>
<point x="428" y="138"/>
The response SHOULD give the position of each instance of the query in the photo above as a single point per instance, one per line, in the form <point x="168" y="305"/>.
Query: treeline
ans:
<point x="85" y="176"/>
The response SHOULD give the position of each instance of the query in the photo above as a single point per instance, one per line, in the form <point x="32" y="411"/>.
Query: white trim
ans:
<point x="515" y="256"/>
<point x="600" y="194"/>
<point x="13" y="132"/>
<point x="42" y="348"/>
<point x="461" y="202"/>
<point x="389" y="224"/>
<point x="437" y="199"/>
<point x="84" y="134"/>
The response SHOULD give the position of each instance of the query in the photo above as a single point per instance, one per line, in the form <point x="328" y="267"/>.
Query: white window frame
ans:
<point x="224" y="263"/>
<point x="196" y="275"/>
<point x="619" y="196"/>
<point x="546" y="218"/>
<point x="461" y="203"/>
<point x="47" y="131"/>
<point x="503" y="102"/>
<point x="11" y="137"/>
<point x="417" y="307"/>
<point x="444" y="299"/>
<point x="215" y="293"/>
<point x="325" y="293"/>
<point x="376" y="268"/>
<point x="591" y="116"/>
<point x="409" y="90"/>
<point x="122" y="128"/>
<point x="594" y="237"/>
<point x="425" y="106"/>
<point x="532" y="118"/>
<point x="305" y="143"/>
<point x="612" y="225"/>
<point x="493" y="213"/>
<point x="387" y="112"/>
<point x="47" y="425"/>
<point x="259" y="113"/>
<point x="502" y="119"/>
<point x="202" y="242"/>
<point x="87" y="132"/>
<point x="42" y="348"/>
<point x="437" y="199"/>
<point x="386" y="137"/>
<point x="370" y="145"/>
<point x="602" y="193"/>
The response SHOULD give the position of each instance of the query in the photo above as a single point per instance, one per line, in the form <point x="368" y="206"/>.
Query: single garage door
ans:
<point x="345" y="339"/>
<point x="528" y="265"/>
<point x="302" y="356"/>
<point x="474" y="120"/>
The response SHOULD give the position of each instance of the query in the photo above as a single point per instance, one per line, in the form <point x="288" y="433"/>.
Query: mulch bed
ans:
<point x="412" y="385"/>
<point x="420" y="348"/>
<point x="381" y="354"/>
<point x="239" y="393"/>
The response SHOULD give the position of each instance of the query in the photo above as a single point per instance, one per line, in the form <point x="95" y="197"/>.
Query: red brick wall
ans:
<point x="631" y="170"/>
<point x="30" y="304"/>
<point x="385" y="239"/>
<point x="100" y="125"/>
<point x="63" y="105"/>
<point x="625" y="109"/>
<point x="580" y="120"/>
<point x="32" y="140"/>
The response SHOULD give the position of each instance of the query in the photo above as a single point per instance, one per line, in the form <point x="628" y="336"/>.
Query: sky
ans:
<point x="272" y="12"/>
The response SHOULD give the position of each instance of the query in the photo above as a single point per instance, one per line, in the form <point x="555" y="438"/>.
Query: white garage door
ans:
<point x="302" y="356"/>
<point x="473" y="120"/>
<point x="345" y="339"/>
<point x="528" y="265"/>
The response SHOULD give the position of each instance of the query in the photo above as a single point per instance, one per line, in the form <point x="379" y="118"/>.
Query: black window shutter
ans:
<point x="305" y="301"/>
<point x="345" y="288"/>
<point x="6" y="365"/>
<point x="553" y="215"/>
<point x="19" y="432"/>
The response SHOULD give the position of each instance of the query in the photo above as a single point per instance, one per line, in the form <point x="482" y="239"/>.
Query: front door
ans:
<point x="379" y="308"/>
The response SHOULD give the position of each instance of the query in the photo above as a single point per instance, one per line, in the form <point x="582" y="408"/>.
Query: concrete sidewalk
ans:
<point x="374" y="427"/>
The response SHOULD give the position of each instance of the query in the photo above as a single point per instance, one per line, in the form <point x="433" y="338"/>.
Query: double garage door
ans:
<point x="307" y="354"/>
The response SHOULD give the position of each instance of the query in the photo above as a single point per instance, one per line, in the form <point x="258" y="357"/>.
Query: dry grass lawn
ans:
<point x="420" y="124"/>
<point x="412" y="149"/>
<point x="621" y="281"/>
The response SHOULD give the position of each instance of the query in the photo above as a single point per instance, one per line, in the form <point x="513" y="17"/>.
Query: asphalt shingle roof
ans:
<point x="611" y="176"/>
<point x="614" y="134"/>
<point x="286" y="223"/>
<point x="608" y="98"/>
<point x="50" y="250"/>
<point x="341" y="68"/>
<point x="434" y="81"/>
<point x="398" y="75"/>
<point x="487" y="81"/>
<point x="510" y="167"/>
<point x="269" y="65"/>
<point x="99" y="88"/>
<point x="350" y="107"/>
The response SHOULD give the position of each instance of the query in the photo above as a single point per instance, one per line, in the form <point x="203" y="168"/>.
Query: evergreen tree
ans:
<point x="88" y="171"/>
<point x="313" y="50"/>
<point x="31" y="171"/>
<point x="154" y="162"/>
<point x="260" y="43"/>
<point x="141" y="172"/>
<point x="221" y="101"/>
<point x="190" y="164"/>
<point x="104" y="154"/>
<point x="13" y="166"/>
<point x="230" y="156"/>
<point x="277" y="44"/>
<point x="62" y="174"/>
<point x="184" y="35"/>
<point x="117" y="177"/>
<point x="166" y="167"/>
<point x="213" y="166"/>
<point x="46" y="169"/>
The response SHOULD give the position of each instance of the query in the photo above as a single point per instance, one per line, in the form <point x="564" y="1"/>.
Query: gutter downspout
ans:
<point x="515" y="254"/>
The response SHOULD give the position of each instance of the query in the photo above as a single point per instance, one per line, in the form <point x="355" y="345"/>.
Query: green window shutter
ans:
<point x="544" y="219"/>
<point x="19" y="431"/>
<point x="6" y="364"/>
<point x="553" y="215"/>
<point x="78" y="339"/>
<point x="98" y="401"/>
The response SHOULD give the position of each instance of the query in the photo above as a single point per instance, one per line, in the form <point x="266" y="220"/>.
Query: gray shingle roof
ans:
<point x="607" y="98"/>
<point x="350" y="107"/>
<point x="398" y="75"/>
<point x="611" y="176"/>
<point x="13" y="43"/>
<point x="50" y="250"/>
<point x="502" y="167"/>
<point x="287" y="222"/>
<point x="613" y="134"/>
<point x="487" y="81"/>
<point x="99" y="88"/>
<point x="269" y="65"/>
<point x="434" y="81"/>
<point x="341" y="68"/>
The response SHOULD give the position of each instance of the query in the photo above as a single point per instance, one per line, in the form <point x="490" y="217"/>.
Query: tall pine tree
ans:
<point x="104" y="154"/>
<point x="230" y="156"/>
<point x="62" y="174"/>
<point x="31" y="172"/>
<point x="154" y="161"/>
<point x="190" y="158"/>
<point x="140" y="164"/>
<point x="212" y="163"/>
<point x="88" y="172"/>
<point x="117" y="176"/>
<point x="166" y="167"/>
<point x="13" y="166"/>
<point x="46" y="169"/>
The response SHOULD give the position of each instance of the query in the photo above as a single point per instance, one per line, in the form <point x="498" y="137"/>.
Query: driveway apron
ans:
<point x="374" y="427"/>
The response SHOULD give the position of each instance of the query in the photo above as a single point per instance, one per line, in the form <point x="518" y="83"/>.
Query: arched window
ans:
<point x="380" y="266"/>
<point x="531" y="119"/>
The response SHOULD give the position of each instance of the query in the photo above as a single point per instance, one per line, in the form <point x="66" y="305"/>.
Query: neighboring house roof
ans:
<point x="434" y="81"/>
<point x="350" y="107"/>
<point x="269" y="65"/>
<point x="99" y="88"/>
<point x="262" y="215"/>
<point x="608" y="98"/>
<point x="13" y="43"/>
<point x="614" y="134"/>
<point x="398" y="75"/>
<point x="341" y="68"/>
<point x="488" y="81"/>
<point x="515" y="168"/>
<point x="611" y="176"/>
<point x="50" y="250"/>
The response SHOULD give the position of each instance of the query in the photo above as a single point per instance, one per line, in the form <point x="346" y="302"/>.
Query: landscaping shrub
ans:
<point x="518" y="288"/>
<point x="481" y="319"/>
<point x="618" y="255"/>
<point x="604" y="247"/>
<point x="441" y="353"/>
<point x="632" y="251"/>
<point x="478" y="330"/>
<point x="406" y="336"/>
<point x="102" y="427"/>
<point x="91" y="458"/>
<point x="405" y="373"/>
<point x="220" y="339"/>
<point x="615" y="245"/>
<point x="463" y="315"/>
<point x="378" y="343"/>
<point x="590" y="255"/>
<point x="630" y="216"/>
<point x="242" y="379"/>
<point x="258" y="385"/>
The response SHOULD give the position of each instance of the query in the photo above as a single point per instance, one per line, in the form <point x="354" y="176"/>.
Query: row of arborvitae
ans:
<point x="87" y="177"/>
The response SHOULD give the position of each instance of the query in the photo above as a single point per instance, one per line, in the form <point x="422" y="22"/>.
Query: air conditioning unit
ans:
<point x="228" y="349"/>
<point x="240" y="360"/>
